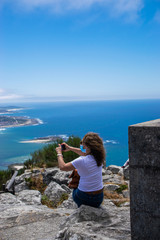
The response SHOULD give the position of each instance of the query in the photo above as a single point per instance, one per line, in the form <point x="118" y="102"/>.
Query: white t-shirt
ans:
<point x="90" y="173"/>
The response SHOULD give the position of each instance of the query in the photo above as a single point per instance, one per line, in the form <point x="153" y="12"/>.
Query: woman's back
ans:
<point x="90" y="173"/>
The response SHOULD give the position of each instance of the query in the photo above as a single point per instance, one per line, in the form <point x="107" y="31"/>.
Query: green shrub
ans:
<point x="45" y="201"/>
<point x="122" y="187"/>
<point x="47" y="156"/>
<point x="5" y="175"/>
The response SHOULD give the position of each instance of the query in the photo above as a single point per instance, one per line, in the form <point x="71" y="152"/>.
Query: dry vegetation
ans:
<point x="116" y="198"/>
<point x="36" y="183"/>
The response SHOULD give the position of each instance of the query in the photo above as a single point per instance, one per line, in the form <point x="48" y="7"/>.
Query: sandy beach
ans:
<point x="36" y="141"/>
<point x="42" y="140"/>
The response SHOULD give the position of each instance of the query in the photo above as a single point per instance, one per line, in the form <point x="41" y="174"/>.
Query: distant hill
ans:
<point x="9" y="109"/>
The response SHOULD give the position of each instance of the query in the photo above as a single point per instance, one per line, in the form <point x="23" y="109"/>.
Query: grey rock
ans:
<point x="114" y="178"/>
<point x="108" y="172"/>
<point x="30" y="222"/>
<point x="89" y="223"/>
<point x="126" y="204"/>
<point x="8" y="199"/>
<point x="69" y="203"/>
<point x="67" y="189"/>
<point x="54" y="192"/>
<point x="107" y="178"/>
<point x="61" y="177"/>
<point x="126" y="172"/>
<point x="20" y="187"/>
<point x="48" y="174"/>
<point x="107" y="202"/>
<point x="21" y="178"/>
<point x="114" y="169"/>
<point x="30" y="197"/>
<point x="111" y="187"/>
<point x="121" y="172"/>
<point x="117" y="179"/>
<point x="24" y="217"/>
<point x="126" y="194"/>
<point x="43" y="229"/>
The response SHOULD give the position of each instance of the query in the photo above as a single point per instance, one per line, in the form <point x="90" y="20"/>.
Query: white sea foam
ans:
<point x="2" y="129"/>
<point x="39" y="121"/>
<point x="63" y="136"/>
<point x="15" y="109"/>
<point x="110" y="141"/>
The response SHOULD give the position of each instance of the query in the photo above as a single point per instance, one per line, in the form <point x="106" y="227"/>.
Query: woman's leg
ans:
<point x="81" y="197"/>
<point x="76" y="199"/>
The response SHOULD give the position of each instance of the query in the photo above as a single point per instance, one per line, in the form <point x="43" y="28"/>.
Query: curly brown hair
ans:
<point x="95" y="144"/>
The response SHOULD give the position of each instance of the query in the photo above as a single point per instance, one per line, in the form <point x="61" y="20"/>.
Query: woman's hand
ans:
<point x="67" y="147"/>
<point x="59" y="149"/>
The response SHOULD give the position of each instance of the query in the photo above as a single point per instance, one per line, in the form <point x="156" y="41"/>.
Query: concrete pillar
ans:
<point x="144" y="162"/>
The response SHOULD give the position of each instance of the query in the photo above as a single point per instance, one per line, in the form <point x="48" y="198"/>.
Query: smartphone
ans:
<point x="63" y="147"/>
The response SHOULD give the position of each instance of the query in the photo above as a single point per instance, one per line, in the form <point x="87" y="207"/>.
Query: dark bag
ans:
<point x="75" y="179"/>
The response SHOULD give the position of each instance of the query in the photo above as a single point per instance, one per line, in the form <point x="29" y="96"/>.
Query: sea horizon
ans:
<point x="109" y="118"/>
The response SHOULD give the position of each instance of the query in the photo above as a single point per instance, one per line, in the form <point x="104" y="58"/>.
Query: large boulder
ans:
<point x="54" y="192"/>
<point x="30" y="197"/>
<point x="61" y="177"/>
<point x="20" y="221"/>
<point x="114" y="169"/>
<point x="88" y="223"/>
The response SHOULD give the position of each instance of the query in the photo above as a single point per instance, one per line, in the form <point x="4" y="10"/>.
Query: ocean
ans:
<point x="110" y="119"/>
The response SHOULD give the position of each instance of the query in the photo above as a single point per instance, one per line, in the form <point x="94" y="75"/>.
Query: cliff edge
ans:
<point x="24" y="217"/>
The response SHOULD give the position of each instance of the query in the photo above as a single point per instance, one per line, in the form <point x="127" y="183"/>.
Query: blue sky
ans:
<point x="79" y="50"/>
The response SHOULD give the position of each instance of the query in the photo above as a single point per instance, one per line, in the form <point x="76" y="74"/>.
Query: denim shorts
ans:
<point x="82" y="198"/>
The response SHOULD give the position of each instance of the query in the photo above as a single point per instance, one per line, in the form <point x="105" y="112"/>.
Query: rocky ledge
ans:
<point x="24" y="217"/>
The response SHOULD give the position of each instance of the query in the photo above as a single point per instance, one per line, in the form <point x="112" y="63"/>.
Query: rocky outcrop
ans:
<point x="106" y="222"/>
<point x="24" y="217"/>
<point x="54" y="192"/>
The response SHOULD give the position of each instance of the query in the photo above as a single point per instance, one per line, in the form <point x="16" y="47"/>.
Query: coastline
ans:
<point x="43" y="139"/>
<point x="27" y="122"/>
<point x="10" y="110"/>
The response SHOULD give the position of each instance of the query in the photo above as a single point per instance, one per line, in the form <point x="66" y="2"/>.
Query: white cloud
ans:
<point x="8" y="96"/>
<point x="1" y="91"/>
<point x="157" y="16"/>
<point x="116" y="7"/>
<point x="130" y="8"/>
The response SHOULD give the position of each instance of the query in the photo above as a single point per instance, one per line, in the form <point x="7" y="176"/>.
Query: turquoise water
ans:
<point x="108" y="118"/>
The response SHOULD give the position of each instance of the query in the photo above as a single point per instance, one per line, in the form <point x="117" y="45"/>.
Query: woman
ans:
<point x="89" y="167"/>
